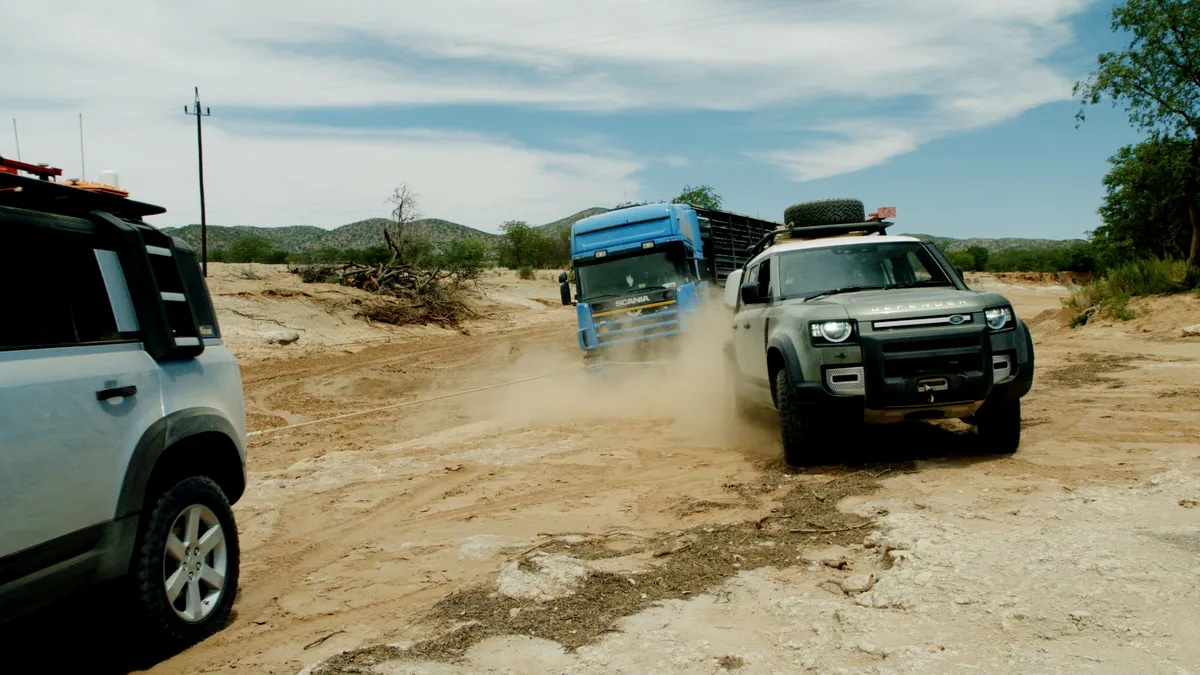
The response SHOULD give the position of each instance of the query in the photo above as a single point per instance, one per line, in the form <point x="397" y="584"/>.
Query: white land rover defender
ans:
<point x="122" y="427"/>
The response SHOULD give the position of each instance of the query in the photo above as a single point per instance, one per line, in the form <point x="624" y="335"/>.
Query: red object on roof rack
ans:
<point x="43" y="171"/>
<point x="883" y="212"/>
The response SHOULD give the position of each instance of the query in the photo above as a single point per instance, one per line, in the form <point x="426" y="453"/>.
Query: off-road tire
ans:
<point x="824" y="212"/>
<point x="166" y="631"/>
<point x="998" y="427"/>
<point x="796" y="424"/>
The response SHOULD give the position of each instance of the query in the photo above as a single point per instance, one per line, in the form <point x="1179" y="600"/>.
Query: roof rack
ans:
<point x="867" y="227"/>
<point x="44" y="194"/>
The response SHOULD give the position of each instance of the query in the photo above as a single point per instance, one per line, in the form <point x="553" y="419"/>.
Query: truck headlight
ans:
<point x="835" y="332"/>
<point x="998" y="318"/>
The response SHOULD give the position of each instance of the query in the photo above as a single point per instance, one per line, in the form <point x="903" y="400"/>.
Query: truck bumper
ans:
<point x="903" y="378"/>
<point x="659" y="349"/>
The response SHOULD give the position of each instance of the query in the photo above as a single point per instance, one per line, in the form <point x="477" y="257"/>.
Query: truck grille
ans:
<point x="637" y="324"/>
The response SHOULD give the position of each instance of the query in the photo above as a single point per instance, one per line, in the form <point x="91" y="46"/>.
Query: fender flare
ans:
<point x="791" y="356"/>
<point x="166" y="433"/>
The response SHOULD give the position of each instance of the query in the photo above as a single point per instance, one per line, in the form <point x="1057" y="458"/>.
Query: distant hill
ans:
<point x="298" y="238"/>
<point x="997" y="245"/>
<point x="562" y="223"/>
<point x="366" y="233"/>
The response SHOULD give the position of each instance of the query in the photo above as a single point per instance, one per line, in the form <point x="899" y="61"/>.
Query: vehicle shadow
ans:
<point x="90" y="632"/>
<point x="893" y="446"/>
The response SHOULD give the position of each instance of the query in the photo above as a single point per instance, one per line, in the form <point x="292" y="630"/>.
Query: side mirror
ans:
<point x="750" y="292"/>
<point x="959" y="271"/>
<point x="562" y="277"/>
<point x="732" y="285"/>
<point x="564" y="290"/>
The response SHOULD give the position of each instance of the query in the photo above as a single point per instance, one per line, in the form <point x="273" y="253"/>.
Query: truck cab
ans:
<point x="642" y="273"/>
<point x="637" y="274"/>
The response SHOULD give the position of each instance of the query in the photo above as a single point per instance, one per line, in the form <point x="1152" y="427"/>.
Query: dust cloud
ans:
<point x="686" y="390"/>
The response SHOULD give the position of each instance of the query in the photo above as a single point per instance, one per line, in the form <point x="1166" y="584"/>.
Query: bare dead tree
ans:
<point x="416" y="285"/>
<point x="401" y="234"/>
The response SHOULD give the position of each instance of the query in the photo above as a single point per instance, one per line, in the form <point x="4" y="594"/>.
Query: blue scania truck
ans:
<point x="642" y="273"/>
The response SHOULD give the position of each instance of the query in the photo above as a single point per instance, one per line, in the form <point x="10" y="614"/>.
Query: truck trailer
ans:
<point x="641" y="274"/>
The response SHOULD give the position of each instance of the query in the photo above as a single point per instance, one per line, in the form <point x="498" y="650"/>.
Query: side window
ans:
<point x="751" y="273"/>
<point x="62" y="299"/>
<point x="764" y="279"/>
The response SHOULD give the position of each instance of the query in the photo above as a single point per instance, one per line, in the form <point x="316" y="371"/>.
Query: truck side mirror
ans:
<point x="564" y="289"/>
<point x="751" y="292"/>
<point x="562" y="277"/>
<point x="959" y="271"/>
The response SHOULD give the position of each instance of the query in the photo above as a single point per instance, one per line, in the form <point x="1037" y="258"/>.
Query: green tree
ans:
<point x="1157" y="78"/>
<point x="703" y="196"/>
<point x="250" y="250"/>
<point x="465" y="258"/>
<point x="519" y="244"/>
<point x="1145" y="210"/>
<point x="978" y="256"/>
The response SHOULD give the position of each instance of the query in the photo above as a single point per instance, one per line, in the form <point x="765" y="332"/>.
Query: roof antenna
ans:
<point x="17" y="138"/>
<point x="82" y="163"/>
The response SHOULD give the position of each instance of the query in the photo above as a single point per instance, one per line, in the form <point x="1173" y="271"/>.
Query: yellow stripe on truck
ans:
<point x="630" y="309"/>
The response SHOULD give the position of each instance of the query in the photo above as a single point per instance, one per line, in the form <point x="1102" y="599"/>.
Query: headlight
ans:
<point x="999" y="317"/>
<point x="832" y="331"/>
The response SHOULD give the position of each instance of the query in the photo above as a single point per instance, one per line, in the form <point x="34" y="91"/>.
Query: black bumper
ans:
<point x="949" y="368"/>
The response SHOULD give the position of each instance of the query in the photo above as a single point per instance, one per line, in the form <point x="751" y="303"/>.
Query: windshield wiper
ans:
<point x="843" y="289"/>
<point x="924" y="282"/>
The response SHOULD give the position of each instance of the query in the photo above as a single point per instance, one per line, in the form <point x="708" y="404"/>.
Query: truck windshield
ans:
<point x="809" y="272"/>
<point x="618" y="276"/>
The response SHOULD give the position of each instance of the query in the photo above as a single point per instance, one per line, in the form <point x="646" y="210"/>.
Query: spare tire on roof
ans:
<point x="825" y="212"/>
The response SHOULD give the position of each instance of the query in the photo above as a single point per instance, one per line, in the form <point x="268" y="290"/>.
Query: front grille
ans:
<point x="637" y="324"/>
<point x="902" y="346"/>
<point x="930" y="365"/>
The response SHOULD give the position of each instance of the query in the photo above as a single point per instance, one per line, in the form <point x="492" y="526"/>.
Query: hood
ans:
<point x="911" y="302"/>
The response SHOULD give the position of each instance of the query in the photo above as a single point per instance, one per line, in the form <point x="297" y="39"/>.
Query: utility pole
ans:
<point x="17" y="139"/>
<point x="199" y="114"/>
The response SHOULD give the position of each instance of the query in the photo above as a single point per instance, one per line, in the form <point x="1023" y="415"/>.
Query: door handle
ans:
<point x="746" y="325"/>
<point x="735" y="326"/>
<point x="116" y="392"/>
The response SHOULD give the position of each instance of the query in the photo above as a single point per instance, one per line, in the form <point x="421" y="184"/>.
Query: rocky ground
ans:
<point x="632" y="525"/>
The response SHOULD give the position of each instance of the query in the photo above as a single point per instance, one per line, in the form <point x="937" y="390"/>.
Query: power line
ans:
<point x="196" y="111"/>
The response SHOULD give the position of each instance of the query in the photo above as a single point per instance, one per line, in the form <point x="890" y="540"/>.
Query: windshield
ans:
<point x="809" y="272"/>
<point x="618" y="276"/>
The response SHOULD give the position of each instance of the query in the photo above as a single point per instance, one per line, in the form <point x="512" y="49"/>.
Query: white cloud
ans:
<point x="955" y="64"/>
<point x="859" y="147"/>
<point x="283" y="175"/>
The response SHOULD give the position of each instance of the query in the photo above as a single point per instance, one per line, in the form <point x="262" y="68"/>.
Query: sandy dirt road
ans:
<point x="1081" y="553"/>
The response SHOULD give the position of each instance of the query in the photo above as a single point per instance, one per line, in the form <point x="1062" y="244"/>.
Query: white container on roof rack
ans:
<point x="109" y="177"/>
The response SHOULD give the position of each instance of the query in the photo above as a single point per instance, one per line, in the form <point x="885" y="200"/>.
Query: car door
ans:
<point x="76" y="392"/>
<point x="748" y="333"/>
<point x="756" y="332"/>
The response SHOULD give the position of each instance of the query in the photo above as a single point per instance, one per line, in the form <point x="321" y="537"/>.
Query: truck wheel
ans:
<point x="824" y="212"/>
<point x="999" y="427"/>
<point x="185" y="567"/>
<point x="795" y="424"/>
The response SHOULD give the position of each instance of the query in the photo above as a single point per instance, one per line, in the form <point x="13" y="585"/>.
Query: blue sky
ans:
<point x="959" y="114"/>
